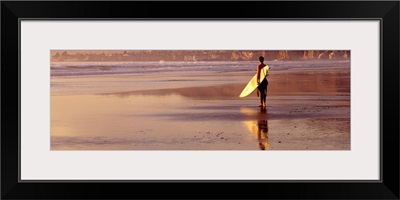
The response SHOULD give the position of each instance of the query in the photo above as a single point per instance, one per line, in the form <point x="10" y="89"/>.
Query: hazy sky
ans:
<point x="88" y="51"/>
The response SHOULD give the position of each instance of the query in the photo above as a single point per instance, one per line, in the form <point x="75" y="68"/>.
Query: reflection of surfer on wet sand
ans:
<point x="259" y="128"/>
<point x="262" y="134"/>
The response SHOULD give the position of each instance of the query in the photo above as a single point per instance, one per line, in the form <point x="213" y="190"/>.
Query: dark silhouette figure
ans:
<point x="262" y="84"/>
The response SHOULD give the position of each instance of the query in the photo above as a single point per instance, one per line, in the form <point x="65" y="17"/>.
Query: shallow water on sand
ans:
<point x="307" y="110"/>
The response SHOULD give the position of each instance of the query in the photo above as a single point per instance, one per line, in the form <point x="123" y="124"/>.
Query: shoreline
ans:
<point x="305" y="111"/>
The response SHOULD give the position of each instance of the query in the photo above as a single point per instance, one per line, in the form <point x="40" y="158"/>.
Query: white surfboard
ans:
<point x="252" y="85"/>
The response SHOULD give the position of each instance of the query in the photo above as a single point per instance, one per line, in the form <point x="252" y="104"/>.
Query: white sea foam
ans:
<point x="105" y="68"/>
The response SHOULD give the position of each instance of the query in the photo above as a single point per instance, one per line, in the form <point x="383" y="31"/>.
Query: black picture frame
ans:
<point x="13" y="11"/>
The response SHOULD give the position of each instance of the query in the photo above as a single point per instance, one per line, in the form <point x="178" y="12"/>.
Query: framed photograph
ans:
<point x="118" y="98"/>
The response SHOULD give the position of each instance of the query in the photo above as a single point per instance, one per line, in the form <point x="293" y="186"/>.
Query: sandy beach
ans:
<point x="307" y="109"/>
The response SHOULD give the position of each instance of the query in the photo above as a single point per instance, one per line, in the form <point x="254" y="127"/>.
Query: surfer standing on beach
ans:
<point x="262" y="84"/>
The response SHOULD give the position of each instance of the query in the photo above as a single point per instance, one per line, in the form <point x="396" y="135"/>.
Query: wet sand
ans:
<point x="306" y="110"/>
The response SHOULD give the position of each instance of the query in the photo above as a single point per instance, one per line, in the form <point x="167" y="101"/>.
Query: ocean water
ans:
<point x="109" y="68"/>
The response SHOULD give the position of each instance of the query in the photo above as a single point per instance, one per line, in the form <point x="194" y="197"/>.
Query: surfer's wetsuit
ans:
<point x="262" y="87"/>
<point x="263" y="91"/>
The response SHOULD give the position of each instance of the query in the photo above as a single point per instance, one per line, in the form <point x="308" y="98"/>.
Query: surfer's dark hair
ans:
<point x="261" y="59"/>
